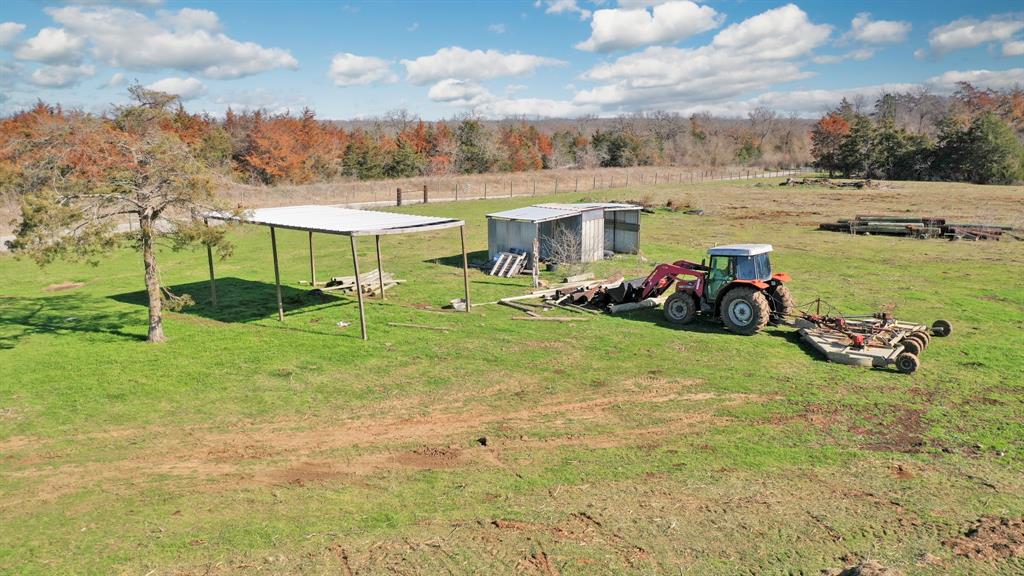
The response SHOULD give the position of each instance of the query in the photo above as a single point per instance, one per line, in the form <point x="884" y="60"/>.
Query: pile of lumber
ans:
<point x="918" y="227"/>
<point x="369" y="283"/>
<point x="859" y="184"/>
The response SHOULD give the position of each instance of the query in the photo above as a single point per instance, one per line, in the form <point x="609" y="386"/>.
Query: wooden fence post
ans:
<point x="398" y="197"/>
<point x="424" y="193"/>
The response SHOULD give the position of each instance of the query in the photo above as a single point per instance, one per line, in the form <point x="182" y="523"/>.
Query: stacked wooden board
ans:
<point x="918" y="227"/>
<point x="370" y="282"/>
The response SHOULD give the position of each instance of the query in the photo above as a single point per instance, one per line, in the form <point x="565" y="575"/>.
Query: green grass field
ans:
<point x="619" y="445"/>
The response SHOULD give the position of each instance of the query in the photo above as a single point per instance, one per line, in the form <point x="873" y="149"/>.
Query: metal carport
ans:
<point x="342" y="222"/>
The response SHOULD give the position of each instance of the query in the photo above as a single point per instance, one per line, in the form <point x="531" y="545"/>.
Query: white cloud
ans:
<point x="513" y="88"/>
<point x="61" y="75"/>
<point x="260" y="99"/>
<point x="185" y="88"/>
<point x="467" y="94"/>
<point x="118" y="79"/>
<point x="456" y="62"/>
<point x="1014" y="48"/>
<point x="458" y="92"/>
<point x="969" y="32"/>
<point x="779" y="33"/>
<point x="9" y="32"/>
<point x="190" y="19"/>
<point x="497" y="28"/>
<point x="858" y="54"/>
<point x="533" y="107"/>
<point x="995" y="79"/>
<point x="621" y="29"/>
<point x="412" y="27"/>
<point x="52" y="45"/>
<point x="565" y="7"/>
<point x="864" y="29"/>
<point x="745" y="57"/>
<point x="351" y="70"/>
<point x="185" y="40"/>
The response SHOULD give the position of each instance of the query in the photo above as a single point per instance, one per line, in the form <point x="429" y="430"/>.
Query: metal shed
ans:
<point x="600" y="227"/>
<point x="340" y="221"/>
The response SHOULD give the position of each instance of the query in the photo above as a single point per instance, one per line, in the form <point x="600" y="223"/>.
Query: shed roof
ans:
<point x="344" y="221"/>
<point x="554" y="211"/>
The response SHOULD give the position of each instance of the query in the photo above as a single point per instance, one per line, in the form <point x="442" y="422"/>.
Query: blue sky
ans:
<point x="534" y="58"/>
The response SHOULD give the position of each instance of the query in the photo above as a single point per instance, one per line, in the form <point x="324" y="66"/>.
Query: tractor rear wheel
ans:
<point x="680" y="308"/>
<point x="745" y="310"/>
<point x="907" y="363"/>
<point x="781" y="303"/>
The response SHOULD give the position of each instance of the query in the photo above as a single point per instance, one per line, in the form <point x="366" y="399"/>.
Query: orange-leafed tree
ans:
<point x="827" y="137"/>
<point x="83" y="174"/>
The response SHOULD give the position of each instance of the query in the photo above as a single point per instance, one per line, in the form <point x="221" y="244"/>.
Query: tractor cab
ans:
<point x="737" y="262"/>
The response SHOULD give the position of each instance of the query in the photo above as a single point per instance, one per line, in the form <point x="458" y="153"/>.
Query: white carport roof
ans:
<point x="344" y="221"/>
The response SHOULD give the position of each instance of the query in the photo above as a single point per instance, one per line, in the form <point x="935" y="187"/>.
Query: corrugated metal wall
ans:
<point x="592" y="235"/>
<point x="622" y="231"/>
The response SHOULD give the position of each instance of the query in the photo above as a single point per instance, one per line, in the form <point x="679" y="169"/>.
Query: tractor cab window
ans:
<point x="721" y="266"/>
<point x="753" y="267"/>
<point x="746" y="268"/>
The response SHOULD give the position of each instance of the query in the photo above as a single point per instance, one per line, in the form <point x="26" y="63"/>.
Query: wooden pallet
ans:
<point x="508" y="265"/>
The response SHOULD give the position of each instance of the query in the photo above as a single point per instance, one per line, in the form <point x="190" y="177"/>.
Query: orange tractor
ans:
<point x="737" y="286"/>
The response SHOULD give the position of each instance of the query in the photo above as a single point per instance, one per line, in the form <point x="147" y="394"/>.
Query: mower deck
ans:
<point x="878" y="352"/>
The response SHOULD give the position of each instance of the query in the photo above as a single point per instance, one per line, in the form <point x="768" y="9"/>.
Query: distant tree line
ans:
<point x="972" y="136"/>
<point x="258" y="147"/>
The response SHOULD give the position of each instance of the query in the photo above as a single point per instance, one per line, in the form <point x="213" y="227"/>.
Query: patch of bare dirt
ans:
<point x="904" y="433"/>
<point x="865" y="568"/>
<point x="63" y="286"/>
<point x="297" y="452"/>
<point x="991" y="538"/>
<point x="430" y="458"/>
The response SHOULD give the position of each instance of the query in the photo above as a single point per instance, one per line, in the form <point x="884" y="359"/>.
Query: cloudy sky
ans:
<point x="535" y="58"/>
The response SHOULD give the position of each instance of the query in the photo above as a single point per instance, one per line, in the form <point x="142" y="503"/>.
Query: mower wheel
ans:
<point x="912" y="346"/>
<point x="923" y="336"/>
<point x="907" y="363"/>
<point x="745" y="310"/>
<point x="679" y="308"/>
<point x="782" y="305"/>
<point x="941" y="328"/>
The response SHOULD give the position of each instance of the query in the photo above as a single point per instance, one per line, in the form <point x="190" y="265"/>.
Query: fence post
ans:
<point x="509" y="186"/>
<point x="424" y="193"/>
<point x="655" y="178"/>
<point x="456" y="191"/>
<point x="627" y="180"/>
<point x="534" y="186"/>
<point x="556" y="184"/>
<point x="398" y="197"/>
<point x="593" y="185"/>
<point x="576" y="186"/>
<point x="485" y="188"/>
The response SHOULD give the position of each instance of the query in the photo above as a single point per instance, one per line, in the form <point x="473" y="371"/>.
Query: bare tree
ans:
<point x="564" y="248"/>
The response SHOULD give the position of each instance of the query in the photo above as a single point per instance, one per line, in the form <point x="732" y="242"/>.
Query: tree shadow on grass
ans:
<point x="65" y="314"/>
<point x="240" y="300"/>
<point x="455" y="260"/>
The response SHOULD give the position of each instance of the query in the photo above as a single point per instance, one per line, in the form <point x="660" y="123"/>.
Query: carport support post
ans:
<point x="312" y="262"/>
<point x="465" y="264"/>
<point x="380" y="267"/>
<point x="359" y="288"/>
<point x="277" y="274"/>
<point x="209" y="258"/>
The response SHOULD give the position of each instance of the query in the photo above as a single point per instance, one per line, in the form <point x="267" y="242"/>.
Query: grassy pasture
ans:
<point x="618" y="445"/>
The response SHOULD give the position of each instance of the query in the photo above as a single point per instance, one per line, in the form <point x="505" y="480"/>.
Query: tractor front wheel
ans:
<point x="680" y="308"/>
<point x="745" y="310"/>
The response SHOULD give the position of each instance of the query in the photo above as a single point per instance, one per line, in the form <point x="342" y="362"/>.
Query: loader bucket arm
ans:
<point x="664" y="275"/>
